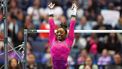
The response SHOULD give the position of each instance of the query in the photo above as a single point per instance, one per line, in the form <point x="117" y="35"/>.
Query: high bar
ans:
<point x="79" y="31"/>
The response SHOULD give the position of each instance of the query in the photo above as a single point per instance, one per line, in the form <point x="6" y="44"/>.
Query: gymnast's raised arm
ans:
<point x="51" y="22"/>
<point x="72" y="24"/>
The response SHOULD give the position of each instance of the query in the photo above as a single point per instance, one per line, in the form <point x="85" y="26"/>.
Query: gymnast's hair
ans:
<point x="64" y="26"/>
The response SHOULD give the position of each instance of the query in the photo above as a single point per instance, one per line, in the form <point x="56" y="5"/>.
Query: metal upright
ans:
<point x="5" y="32"/>
<point x="25" y="49"/>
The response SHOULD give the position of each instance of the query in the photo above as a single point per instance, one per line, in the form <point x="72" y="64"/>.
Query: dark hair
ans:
<point x="18" y="64"/>
<point x="64" y="26"/>
<point x="115" y="38"/>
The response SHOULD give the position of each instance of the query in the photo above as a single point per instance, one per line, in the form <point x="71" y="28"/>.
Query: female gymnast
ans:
<point x="60" y="42"/>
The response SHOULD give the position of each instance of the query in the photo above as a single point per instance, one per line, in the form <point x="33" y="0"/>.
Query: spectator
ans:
<point x="80" y="41"/>
<point x="1" y="15"/>
<point x="1" y="36"/>
<point x="111" y="6"/>
<point x="119" y="24"/>
<point x="84" y="25"/>
<point x="1" y="46"/>
<point x="13" y="7"/>
<point x="13" y="25"/>
<point x="29" y="48"/>
<point x="44" y="26"/>
<point x="101" y="26"/>
<point x="31" y="62"/>
<point x="91" y="10"/>
<point x="18" y="39"/>
<point x="28" y="23"/>
<point x="20" y="18"/>
<point x="113" y="44"/>
<point x="14" y="64"/>
<point x="82" y="57"/>
<point x="92" y="46"/>
<point x="46" y="59"/>
<point x="118" y="5"/>
<point x="1" y="21"/>
<point x="102" y="4"/>
<point x="36" y="13"/>
<point x="24" y="4"/>
<point x="119" y="27"/>
<point x="117" y="59"/>
<point x="1" y="42"/>
<point x="117" y="64"/>
<point x="88" y="64"/>
<point x="104" y="59"/>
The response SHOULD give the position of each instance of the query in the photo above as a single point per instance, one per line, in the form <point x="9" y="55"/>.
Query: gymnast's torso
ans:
<point x="60" y="49"/>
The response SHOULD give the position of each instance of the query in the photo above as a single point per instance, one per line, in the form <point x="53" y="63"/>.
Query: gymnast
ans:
<point x="61" y="41"/>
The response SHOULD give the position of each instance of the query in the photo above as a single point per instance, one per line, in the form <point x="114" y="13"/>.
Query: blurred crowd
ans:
<point x="90" y="50"/>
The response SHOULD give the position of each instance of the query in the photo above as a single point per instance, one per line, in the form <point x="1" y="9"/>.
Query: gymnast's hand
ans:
<point x="51" y="5"/>
<point x="74" y="9"/>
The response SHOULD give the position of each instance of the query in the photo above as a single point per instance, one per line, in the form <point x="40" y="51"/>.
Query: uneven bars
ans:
<point x="79" y="31"/>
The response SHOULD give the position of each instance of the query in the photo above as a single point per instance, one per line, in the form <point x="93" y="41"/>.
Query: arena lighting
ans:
<point x="79" y="31"/>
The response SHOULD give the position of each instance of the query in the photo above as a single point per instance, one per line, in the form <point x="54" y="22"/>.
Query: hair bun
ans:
<point x="63" y="25"/>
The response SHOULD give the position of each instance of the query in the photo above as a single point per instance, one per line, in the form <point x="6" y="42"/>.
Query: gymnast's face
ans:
<point x="60" y="34"/>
